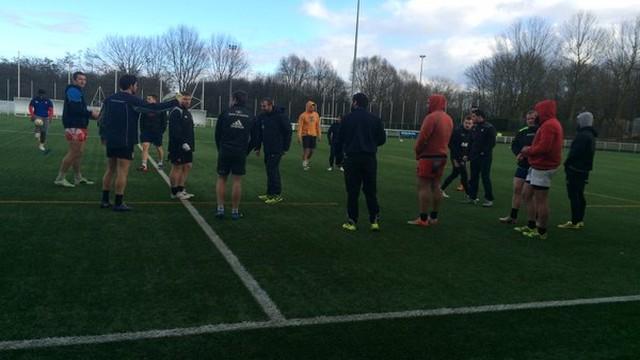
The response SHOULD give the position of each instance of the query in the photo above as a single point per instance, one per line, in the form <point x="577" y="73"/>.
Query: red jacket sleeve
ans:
<point x="426" y="130"/>
<point x="542" y="143"/>
<point x="50" y="112"/>
<point x="31" y="111"/>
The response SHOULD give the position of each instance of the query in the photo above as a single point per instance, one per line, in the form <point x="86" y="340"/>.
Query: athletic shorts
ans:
<point x="181" y="157"/>
<point x="151" y="137"/>
<point x="431" y="168"/>
<point x="76" y="134"/>
<point x="309" y="142"/>
<point x="521" y="173"/>
<point x="231" y="164"/>
<point x="540" y="179"/>
<point x="125" y="153"/>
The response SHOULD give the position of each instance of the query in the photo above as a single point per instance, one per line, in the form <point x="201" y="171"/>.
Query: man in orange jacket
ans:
<point x="309" y="132"/>
<point x="431" y="153"/>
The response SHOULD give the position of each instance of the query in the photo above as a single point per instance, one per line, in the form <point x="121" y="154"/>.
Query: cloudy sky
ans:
<point x="453" y="34"/>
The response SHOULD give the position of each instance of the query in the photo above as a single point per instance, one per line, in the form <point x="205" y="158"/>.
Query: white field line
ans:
<point x="261" y="296"/>
<point x="314" y="321"/>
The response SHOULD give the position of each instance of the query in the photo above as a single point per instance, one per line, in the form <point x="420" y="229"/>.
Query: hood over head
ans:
<point x="437" y="102"/>
<point x="546" y="110"/>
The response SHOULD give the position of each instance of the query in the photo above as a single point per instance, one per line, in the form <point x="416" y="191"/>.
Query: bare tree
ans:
<point x="227" y="58"/>
<point x="374" y="76"/>
<point x="582" y="46"/>
<point x="186" y="56"/>
<point x="123" y="53"/>
<point x="155" y="59"/>
<point x="623" y="60"/>
<point x="294" y="72"/>
<point x="324" y="78"/>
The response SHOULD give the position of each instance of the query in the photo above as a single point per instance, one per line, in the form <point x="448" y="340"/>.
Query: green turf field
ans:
<point x="70" y="269"/>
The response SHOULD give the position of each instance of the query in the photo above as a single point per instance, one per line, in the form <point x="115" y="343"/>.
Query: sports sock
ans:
<point x="180" y="188"/>
<point x="119" y="199"/>
<point x="542" y="231"/>
<point x="424" y="216"/>
<point x="144" y="163"/>
<point x="220" y="208"/>
<point x="174" y="190"/>
<point x="105" y="196"/>
<point x="434" y="215"/>
<point x="235" y="211"/>
<point x="514" y="213"/>
<point x="531" y="224"/>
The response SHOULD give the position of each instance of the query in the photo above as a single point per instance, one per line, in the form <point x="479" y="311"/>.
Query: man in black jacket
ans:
<point x="459" y="148"/>
<point x="152" y="128"/>
<point x="483" y="140"/>
<point x="361" y="133"/>
<point x="336" y="155"/>
<point x="577" y="167"/>
<point x="181" y="146"/>
<point x="523" y="138"/>
<point x="274" y="136"/>
<point x="235" y="136"/>
<point x="75" y="119"/>
<point x="119" y="132"/>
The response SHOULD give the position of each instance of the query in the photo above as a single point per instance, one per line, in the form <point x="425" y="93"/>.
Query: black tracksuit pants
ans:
<point x="272" y="164"/>
<point x="576" y="183"/>
<point x="336" y="156"/>
<point x="360" y="173"/>
<point x="481" y="167"/>
<point x="457" y="171"/>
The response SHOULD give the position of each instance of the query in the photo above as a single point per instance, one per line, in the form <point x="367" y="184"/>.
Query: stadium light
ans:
<point x="355" y="50"/>
<point x="421" y="63"/>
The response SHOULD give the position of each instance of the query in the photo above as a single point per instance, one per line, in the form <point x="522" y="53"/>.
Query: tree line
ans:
<point x="581" y="64"/>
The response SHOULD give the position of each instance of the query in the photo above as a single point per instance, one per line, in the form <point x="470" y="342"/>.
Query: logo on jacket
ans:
<point x="237" y="125"/>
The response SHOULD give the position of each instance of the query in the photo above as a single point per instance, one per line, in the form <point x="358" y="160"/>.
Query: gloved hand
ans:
<point x="186" y="147"/>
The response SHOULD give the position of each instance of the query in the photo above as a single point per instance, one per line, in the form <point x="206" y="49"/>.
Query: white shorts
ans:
<point x="540" y="178"/>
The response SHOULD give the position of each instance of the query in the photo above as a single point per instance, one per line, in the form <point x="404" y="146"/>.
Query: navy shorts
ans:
<point x="181" y="157"/>
<point x="125" y="153"/>
<point x="309" y="142"/>
<point x="150" y="137"/>
<point x="521" y="173"/>
<point x="231" y="164"/>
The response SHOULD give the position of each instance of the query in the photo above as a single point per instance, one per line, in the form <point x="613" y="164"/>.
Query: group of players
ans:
<point x="125" y="120"/>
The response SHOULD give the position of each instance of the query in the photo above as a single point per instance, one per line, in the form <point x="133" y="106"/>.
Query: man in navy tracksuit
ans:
<point x="523" y="138"/>
<point x="181" y="147"/>
<point x="236" y="133"/>
<point x="459" y="148"/>
<point x="336" y="156"/>
<point x="274" y="136"/>
<point x="361" y="133"/>
<point x="577" y="167"/>
<point x="119" y="132"/>
<point x="483" y="140"/>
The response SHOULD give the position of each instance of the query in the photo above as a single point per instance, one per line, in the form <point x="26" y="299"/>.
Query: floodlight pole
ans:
<point x="115" y="82"/>
<point x="18" y="73"/>
<point x="355" y="50"/>
<point x="421" y="63"/>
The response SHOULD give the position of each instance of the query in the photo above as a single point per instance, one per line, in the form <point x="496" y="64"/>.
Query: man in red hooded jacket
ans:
<point x="431" y="153"/>
<point x="545" y="156"/>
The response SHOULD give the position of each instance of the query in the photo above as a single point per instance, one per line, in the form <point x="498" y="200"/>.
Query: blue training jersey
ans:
<point x="41" y="106"/>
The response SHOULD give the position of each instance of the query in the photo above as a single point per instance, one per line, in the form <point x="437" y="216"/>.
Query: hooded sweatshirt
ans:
<point x="309" y="122"/>
<point x="583" y="147"/>
<point x="436" y="130"/>
<point x="545" y="152"/>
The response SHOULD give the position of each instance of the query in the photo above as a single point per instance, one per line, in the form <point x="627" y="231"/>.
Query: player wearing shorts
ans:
<point x="522" y="139"/>
<point x="181" y="147"/>
<point x="41" y="114"/>
<point x="119" y="131"/>
<point x="309" y="133"/>
<point x="431" y="153"/>
<point x="152" y="128"/>
<point x="545" y="156"/>
<point x="236" y="135"/>
<point x="75" y="119"/>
